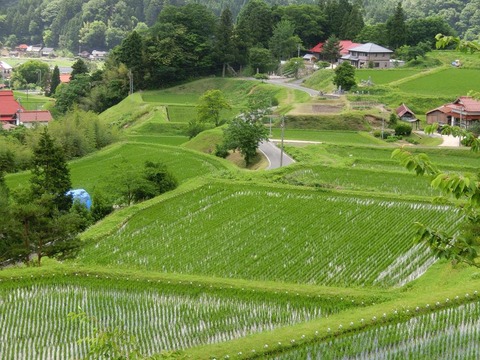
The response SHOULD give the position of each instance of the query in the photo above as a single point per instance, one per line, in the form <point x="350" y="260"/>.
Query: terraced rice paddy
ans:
<point x="281" y="234"/>
<point x="161" y="316"/>
<point x="451" y="333"/>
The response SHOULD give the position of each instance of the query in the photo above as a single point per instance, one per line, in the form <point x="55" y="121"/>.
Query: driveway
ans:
<point x="273" y="154"/>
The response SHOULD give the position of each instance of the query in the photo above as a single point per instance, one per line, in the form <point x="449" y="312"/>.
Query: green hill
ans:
<point x="313" y="258"/>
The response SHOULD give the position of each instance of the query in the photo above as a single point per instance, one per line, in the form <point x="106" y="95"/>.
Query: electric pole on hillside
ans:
<point x="130" y="77"/>
<point x="282" y="125"/>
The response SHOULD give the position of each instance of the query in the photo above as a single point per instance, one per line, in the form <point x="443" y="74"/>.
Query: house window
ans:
<point x="376" y="64"/>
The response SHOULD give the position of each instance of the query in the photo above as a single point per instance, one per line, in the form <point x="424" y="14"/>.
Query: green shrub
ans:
<point x="261" y="76"/>
<point x="403" y="129"/>
<point x="392" y="138"/>
<point x="221" y="150"/>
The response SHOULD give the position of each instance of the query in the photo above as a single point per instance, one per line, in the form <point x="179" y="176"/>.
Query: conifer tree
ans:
<point x="397" y="28"/>
<point x="225" y="45"/>
<point x="50" y="173"/>
<point x="55" y="81"/>
<point x="331" y="49"/>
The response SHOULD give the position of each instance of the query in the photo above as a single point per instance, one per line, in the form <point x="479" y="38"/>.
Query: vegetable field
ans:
<point x="281" y="234"/>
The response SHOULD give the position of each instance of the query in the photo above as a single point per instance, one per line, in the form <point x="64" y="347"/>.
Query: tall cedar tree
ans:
<point x="254" y="28"/>
<point x="79" y="67"/>
<point x="331" y="49"/>
<point x="130" y="53"/>
<point x="55" y="81"/>
<point x="397" y="28"/>
<point x="50" y="173"/>
<point x="225" y="44"/>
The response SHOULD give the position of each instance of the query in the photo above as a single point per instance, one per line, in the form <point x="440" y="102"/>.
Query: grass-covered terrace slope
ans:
<point x="103" y="168"/>
<point x="287" y="234"/>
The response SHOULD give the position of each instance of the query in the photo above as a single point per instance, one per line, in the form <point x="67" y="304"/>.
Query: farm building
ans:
<point x="405" y="114"/>
<point x="361" y="56"/>
<point x="462" y="112"/>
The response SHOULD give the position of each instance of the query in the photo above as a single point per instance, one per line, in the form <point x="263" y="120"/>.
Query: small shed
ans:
<point x="407" y="115"/>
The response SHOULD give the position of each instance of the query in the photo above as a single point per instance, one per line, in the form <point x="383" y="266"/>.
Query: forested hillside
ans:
<point x="462" y="15"/>
<point x="102" y="24"/>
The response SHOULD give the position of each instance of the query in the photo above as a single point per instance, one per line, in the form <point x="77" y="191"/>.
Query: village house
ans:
<point x="98" y="55"/>
<point x="34" y="50"/>
<point x="12" y="113"/>
<point x="5" y="70"/>
<point x="368" y="55"/>
<point x="463" y="112"/>
<point x="345" y="46"/>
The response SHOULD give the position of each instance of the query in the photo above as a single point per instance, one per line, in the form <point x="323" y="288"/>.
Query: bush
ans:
<point x="221" y="150"/>
<point x="392" y="121"/>
<point x="393" y="138"/>
<point x="194" y="128"/>
<point x="378" y="134"/>
<point x="403" y="129"/>
<point x="261" y="76"/>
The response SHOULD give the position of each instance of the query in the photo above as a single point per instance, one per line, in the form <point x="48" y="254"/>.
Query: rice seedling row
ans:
<point x="450" y="333"/>
<point x="162" y="316"/>
<point x="252" y="232"/>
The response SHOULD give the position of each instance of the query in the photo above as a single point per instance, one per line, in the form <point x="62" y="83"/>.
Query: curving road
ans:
<point x="273" y="154"/>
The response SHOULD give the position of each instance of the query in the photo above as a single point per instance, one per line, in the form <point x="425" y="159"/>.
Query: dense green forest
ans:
<point x="102" y="24"/>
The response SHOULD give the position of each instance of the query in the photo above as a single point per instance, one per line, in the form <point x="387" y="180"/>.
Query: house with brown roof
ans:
<point x="463" y="112"/>
<point x="34" y="118"/>
<point x="405" y="114"/>
<point x="363" y="55"/>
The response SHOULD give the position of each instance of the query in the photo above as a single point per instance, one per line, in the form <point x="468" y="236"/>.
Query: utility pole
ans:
<point x="281" y="148"/>
<point x="130" y="77"/>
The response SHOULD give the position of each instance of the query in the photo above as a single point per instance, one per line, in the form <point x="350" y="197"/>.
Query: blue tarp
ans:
<point x="82" y="196"/>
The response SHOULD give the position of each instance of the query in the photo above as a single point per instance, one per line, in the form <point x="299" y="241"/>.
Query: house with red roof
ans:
<point x="463" y="112"/>
<point x="345" y="45"/>
<point x="12" y="113"/>
<point x="9" y="108"/>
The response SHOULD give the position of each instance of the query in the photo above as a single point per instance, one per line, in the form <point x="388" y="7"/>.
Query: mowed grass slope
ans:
<point x="102" y="169"/>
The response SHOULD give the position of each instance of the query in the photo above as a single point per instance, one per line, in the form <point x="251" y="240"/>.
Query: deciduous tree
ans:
<point x="210" y="105"/>
<point x="245" y="134"/>
<point x="344" y="76"/>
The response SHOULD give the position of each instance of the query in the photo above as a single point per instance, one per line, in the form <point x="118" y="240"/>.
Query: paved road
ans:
<point x="272" y="153"/>
<point x="296" y="84"/>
